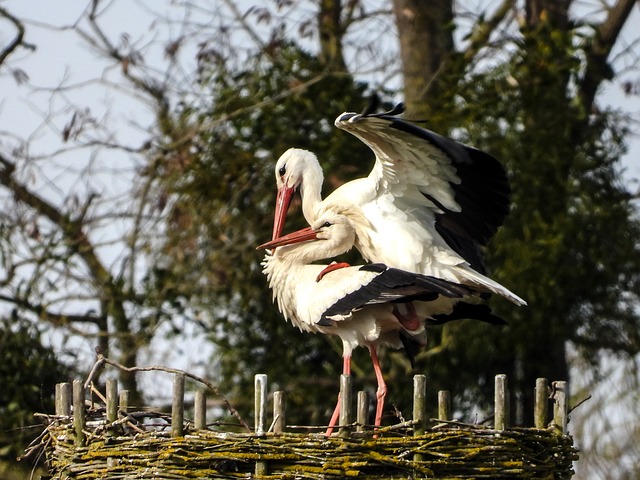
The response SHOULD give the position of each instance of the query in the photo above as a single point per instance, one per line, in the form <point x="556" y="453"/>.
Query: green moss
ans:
<point x="444" y="453"/>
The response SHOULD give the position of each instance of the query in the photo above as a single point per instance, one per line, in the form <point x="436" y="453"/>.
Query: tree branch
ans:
<point x="101" y="360"/>
<point x="606" y="35"/>
<point x="156" y="92"/>
<point x="245" y="25"/>
<point x="56" y="319"/>
<point x="71" y="229"/>
<point x="112" y="295"/>
<point x="483" y="30"/>
<point x="17" y="40"/>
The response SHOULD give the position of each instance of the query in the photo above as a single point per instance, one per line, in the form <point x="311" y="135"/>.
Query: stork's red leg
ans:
<point x="382" y="386"/>
<point x="346" y="370"/>
<point x="331" y="268"/>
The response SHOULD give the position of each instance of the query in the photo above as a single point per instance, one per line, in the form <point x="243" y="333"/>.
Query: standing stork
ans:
<point x="368" y="305"/>
<point x="427" y="206"/>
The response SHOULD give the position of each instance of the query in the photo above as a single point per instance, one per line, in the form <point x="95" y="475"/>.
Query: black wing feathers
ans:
<point x="471" y="311"/>
<point x="391" y="285"/>
<point x="374" y="267"/>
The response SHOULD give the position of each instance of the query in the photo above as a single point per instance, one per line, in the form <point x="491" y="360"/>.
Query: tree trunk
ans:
<point x="331" y="31"/>
<point x="127" y="344"/>
<point x="425" y="31"/>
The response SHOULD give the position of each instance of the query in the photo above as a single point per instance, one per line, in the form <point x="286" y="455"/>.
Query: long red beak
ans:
<point x="303" y="235"/>
<point x="283" y="200"/>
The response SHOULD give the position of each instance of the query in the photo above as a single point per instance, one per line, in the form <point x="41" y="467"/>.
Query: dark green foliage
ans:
<point x="28" y="374"/>
<point x="569" y="246"/>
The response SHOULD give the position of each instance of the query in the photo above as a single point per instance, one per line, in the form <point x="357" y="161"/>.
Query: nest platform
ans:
<point x="108" y="439"/>
<point x="450" y="452"/>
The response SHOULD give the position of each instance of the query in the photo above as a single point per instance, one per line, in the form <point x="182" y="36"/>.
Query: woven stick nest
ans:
<point x="450" y="450"/>
<point x="114" y="443"/>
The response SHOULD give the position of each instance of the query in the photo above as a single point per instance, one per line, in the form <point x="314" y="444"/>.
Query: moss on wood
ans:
<point x="447" y="452"/>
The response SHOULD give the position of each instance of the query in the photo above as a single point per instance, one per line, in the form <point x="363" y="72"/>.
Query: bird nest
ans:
<point x="449" y="450"/>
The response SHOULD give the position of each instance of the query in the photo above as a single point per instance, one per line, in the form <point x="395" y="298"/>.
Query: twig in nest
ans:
<point x="102" y="360"/>
<point x="584" y="400"/>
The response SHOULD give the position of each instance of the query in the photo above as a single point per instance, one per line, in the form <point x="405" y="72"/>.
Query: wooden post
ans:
<point x="123" y="401"/>
<point x="419" y="409"/>
<point x="200" y="410"/>
<point x="362" y="411"/>
<point x="345" y="404"/>
<point x="560" y="392"/>
<point x="63" y="399"/>
<point x="279" y="408"/>
<point x="501" y="402"/>
<point x="444" y="405"/>
<point x="112" y="400"/>
<point x="260" y="405"/>
<point x="78" y="412"/>
<point x="419" y="404"/>
<point x="541" y="405"/>
<point x="177" y="406"/>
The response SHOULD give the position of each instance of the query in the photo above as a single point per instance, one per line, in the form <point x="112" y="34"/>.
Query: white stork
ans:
<point x="366" y="305"/>
<point x="426" y="207"/>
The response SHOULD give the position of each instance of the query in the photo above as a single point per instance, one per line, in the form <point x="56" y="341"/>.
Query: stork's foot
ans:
<point x="331" y="268"/>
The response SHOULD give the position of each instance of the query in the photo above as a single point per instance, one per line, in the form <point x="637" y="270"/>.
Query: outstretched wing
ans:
<point x="466" y="188"/>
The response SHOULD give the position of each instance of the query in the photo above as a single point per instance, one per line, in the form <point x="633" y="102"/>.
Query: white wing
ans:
<point x="467" y="188"/>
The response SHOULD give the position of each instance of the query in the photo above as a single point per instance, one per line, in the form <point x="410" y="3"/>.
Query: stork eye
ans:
<point x="327" y="224"/>
<point x="282" y="170"/>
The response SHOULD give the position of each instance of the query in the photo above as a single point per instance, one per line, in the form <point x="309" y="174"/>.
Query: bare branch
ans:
<point x="484" y="29"/>
<point x="598" y="51"/>
<point x="17" y="41"/>
<point x="157" y="92"/>
<point x="245" y="26"/>
<point x="101" y="360"/>
<point x="56" y="319"/>
<point x="72" y="229"/>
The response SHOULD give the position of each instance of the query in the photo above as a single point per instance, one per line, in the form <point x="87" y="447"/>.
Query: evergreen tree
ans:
<point x="29" y="372"/>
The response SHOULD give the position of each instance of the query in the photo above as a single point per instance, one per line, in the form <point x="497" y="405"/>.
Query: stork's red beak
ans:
<point x="303" y="235"/>
<point x="283" y="200"/>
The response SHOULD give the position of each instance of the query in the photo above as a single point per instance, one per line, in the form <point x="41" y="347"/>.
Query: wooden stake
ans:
<point x="200" y="410"/>
<point x="112" y="400"/>
<point x="345" y="404"/>
<point x="541" y="405"/>
<point x="444" y="405"/>
<point x="63" y="399"/>
<point x="500" y="400"/>
<point x="419" y="404"/>
<point x="419" y="409"/>
<point x="260" y="405"/>
<point x="560" y="390"/>
<point x="279" y="410"/>
<point x="362" y="411"/>
<point x="177" y="406"/>
<point x="78" y="412"/>
<point x="123" y="400"/>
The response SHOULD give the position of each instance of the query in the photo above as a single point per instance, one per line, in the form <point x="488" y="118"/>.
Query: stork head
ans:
<point x="330" y="235"/>
<point x="291" y="170"/>
<point x="336" y="230"/>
